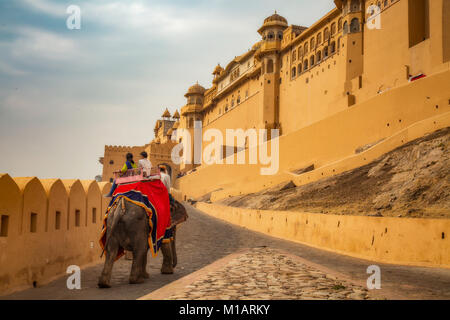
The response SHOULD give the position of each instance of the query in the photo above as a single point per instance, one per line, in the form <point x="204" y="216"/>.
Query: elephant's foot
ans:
<point x="136" y="280"/>
<point x="166" y="269"/>
<point x="103" y="282"/>
<point x="167" y="266"/>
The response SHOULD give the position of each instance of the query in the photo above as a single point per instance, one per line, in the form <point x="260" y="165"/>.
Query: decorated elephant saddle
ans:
<point x="154" y="198"/>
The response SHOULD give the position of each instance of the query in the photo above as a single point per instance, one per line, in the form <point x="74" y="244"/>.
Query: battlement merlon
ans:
<point x="124" y="148"/>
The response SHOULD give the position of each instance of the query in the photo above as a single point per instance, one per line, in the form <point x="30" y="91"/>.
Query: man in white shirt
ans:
<point x="145" y="164"/>
<point x="165" y="178"/>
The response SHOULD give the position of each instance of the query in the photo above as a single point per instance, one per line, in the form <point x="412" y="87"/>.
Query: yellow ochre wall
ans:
<point x="244" y="115"/>
<point x="115" y="157"/>
<point x="366" y="64"/>
<point x="333" y="138"/>
<point x="319" y="91"/>
<point x="105" y="187"/>
<point x="420" y="242"/>
<point x="35" y="258"/>
<point x="388" y="59"/>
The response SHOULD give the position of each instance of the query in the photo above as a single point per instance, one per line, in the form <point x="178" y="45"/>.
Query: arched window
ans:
<point x="340" y="24"/>
<point x="345" y="27"/>
<point x="313" y="44"/>
<point x="270" y="35"/>
<point x="300" y="52"/>
<point x="333" y="28"/>
<point x="294" y="55"/>
<point x="280" y="35"/>
<point x="355" y="6"/>
<point x="333" y="47"/>
<point x="325" y="52"/>
<point x="311" y="61"/>
<point x="306" y="48"/>
<point x="270" y="66"/>
<point x="199" y="100"/>
<point x="293" y="72"/>
<point x="326" y="34"/>
<point x="319" y="39"/>
<point x="386" y="3"/>
<point x="319" y="56"/>
<point x="299" y="68"/>
<point x="354" y="25"/>
<point x="305" y="65"/>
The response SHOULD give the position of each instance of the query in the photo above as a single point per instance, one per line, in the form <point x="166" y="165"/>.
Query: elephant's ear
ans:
<point x="178" y="214"/>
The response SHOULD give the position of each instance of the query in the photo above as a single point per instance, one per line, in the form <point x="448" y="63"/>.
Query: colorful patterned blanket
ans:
<point x="153" y="197"/>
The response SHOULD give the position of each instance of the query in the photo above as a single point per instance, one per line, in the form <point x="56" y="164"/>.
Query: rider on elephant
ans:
<point x="165" y="179"/>
<point x="129" y="164"/>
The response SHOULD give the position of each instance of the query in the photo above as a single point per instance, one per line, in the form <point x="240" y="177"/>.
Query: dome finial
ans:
<point x="166" y="114"/>
<point x="195" y="89"/>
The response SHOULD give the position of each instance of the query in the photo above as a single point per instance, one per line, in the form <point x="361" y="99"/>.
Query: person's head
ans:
<point x="130" y="157"/>
<point x="144" y="155"/>
<point x="162" y="169"/>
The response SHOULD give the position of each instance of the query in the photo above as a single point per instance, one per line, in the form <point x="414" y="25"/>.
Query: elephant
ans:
<point x="128" y="227"/>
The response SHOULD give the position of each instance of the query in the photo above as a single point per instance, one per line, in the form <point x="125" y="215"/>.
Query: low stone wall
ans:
<point x="419" y="242"/>
<point x="46" y="226"/>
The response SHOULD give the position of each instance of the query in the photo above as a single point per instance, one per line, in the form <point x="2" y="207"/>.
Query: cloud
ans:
<point x="43" y="6"/>
<point x="41" y="44"/>
<point x="157" y="19"/>
<point x="69" y="90"/>
<point x="11" y="70"/>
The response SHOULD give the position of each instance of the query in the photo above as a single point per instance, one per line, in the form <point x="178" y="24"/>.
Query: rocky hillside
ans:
<point x="410" y="181"/>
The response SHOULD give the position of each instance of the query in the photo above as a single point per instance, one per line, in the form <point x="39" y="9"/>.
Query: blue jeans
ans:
<point x="113" y="188"/>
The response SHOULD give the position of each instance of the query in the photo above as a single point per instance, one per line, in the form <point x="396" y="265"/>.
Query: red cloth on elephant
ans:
<point x="154" y="198"/>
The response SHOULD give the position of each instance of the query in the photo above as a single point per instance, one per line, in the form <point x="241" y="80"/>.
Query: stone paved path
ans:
<point x="203" y="240"/>
<point x="268" y="274"/>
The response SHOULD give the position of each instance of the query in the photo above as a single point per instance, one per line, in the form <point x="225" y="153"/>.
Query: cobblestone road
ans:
<point x="269" y="274"/>
<point x="203" y="240"/>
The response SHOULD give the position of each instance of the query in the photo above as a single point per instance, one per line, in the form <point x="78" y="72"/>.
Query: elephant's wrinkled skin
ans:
<point x="128" y="227"/>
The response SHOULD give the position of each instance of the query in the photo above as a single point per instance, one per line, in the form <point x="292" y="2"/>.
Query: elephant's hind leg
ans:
<point x="111" y="249"/>
<point x="139" y="257"/>
<point x="167" y="266"/>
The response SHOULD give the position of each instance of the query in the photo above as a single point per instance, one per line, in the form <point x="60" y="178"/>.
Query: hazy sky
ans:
<point x="64" y="94"/>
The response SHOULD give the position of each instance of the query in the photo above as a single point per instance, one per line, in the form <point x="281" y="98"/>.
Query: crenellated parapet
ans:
<point x="118" y="148"/>
<point x="56" y="222"/>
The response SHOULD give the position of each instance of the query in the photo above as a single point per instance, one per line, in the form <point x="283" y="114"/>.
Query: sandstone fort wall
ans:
<point x="46" y="226"/>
